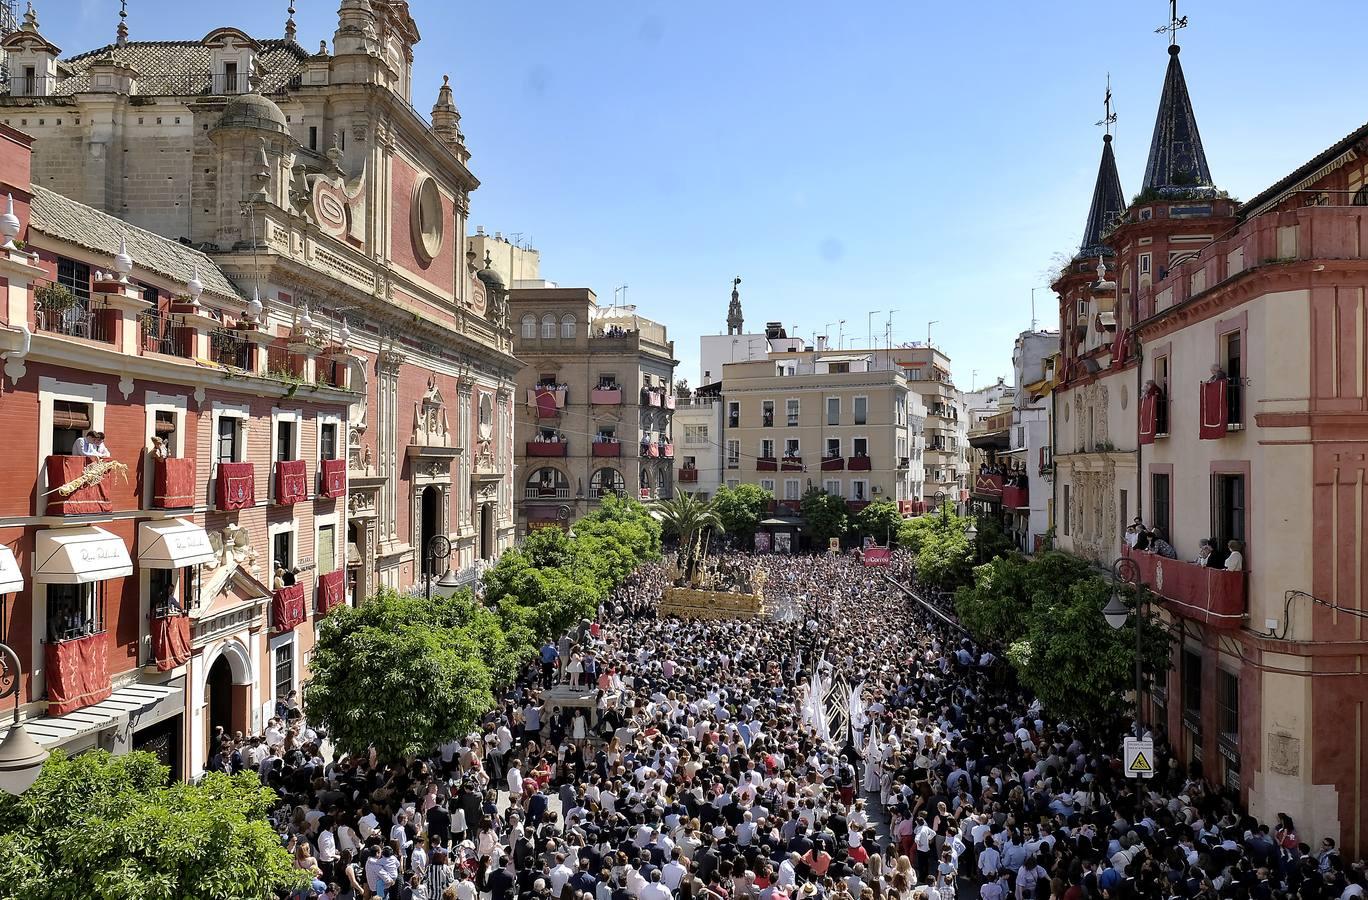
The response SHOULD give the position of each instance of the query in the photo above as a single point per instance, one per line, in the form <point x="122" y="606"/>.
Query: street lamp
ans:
<point x="939" y="497"/>
<point x="21" y="759"/>
<point x="972" y="534"/>
<point x="1125" y="571"/>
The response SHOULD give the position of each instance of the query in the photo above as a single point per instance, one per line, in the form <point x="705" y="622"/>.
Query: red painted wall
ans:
<point x="441" y="271"/>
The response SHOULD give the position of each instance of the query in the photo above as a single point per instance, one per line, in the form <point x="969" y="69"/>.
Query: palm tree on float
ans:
<point x="686" y="516"/>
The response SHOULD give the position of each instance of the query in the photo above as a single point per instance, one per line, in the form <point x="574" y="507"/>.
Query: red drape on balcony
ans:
<point x="77" y="673"/>
<point x="170" y="641"/>
<point x="173" y="483"/>
<point x="1149" y="417"/>
<point x="287" y="607"/>
<point x="236" y="486"/>
<point x="860" y="464"/>
<point x="82" y="501"/>
<point x="1120" y="348"/>
<point x="292" y="481"/>
<point x="546" y="404"/>
<point x="332" y="478"/>
<point x="1214" y="410"/>
<point x="332" y="591"/>
<point x="1214" y="597"/>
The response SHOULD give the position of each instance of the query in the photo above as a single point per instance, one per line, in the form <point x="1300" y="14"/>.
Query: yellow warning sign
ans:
<point x="1137" y="754"/>
<point x="1140" y="764"/>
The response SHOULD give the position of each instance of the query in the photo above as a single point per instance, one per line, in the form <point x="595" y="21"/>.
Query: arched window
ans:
<point x="548" y="326"/>
<point x="547" y="484"/>
<point x="529" y="326"/>
<point x="606" y="481"/>
<point x="568" y="328"/>
<point x="1361" y="198"/>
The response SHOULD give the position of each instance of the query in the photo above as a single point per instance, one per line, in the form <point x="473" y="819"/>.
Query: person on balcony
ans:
<point x="1160" y="547"/>
<point x="1203" y="553"/>
<point x="1235" y="561"/>
<point x="92" y="446"/>
<point x="1217" y="373"/>
<point x="159" y="450"/>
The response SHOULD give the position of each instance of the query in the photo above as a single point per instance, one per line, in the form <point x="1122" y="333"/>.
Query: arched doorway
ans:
<point x="429" y="525"/>
<point x="487" y="531"/>
<point x="225" y="701"/>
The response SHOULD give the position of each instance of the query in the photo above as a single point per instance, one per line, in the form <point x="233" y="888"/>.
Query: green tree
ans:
<point x="824" y="516"/>
<point x="404" y="674"/>
<point x="110" y="828"/>
<point x="944" y="558"/>
<point x="880" y="520"/>
<point x="995" y="606"/>
<point x="993" y="540"/>
<point x="684" y="515"/>
<point x="741" y="509"/>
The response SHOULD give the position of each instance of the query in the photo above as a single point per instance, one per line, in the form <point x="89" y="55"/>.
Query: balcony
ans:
<point x="650" y="449"/>
<point x="229" y="347"/>
<point x="59" y="311"/>
<point x="170" y="641"/>
<point x="1014" y="497"/>
<point x="332" y="479"/>
<point x="767" y="464"/>
<point x="667" y="451"/>
<point x="904" y="462"/>
<point x="291" y="482"/>
<point x="651" y="398"/>
<point x="173" y="483"/>
<point x="987" y="487"/>
<point x="911" y="507"/>
<point x="287" y="608"/>
<point x="69" y="494"/>
<point x="791" y="464"/>
<point x="547" y="400"/>
<point x="603" y="396"/>
<point x="332" y="591"/>
<point x="833" y="464"/>
<point x="855" y="506"/>
<point x="859" y="463"/>
<point x="77" y="672"/>
<point x="236" y="486"/>
<point x="669" y="401"/>
<point x="1213" y="597"/>
<point x="161" y="333"/>
<point x="687" y="475"/>
<point x="607" y="449"/>
<point x="561" y="492"/>
<point x="548" y="449"/>
<point x="1220" y="408"/>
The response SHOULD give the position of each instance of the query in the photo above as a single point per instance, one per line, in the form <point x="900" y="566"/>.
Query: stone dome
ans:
<point x="253" y="111"/>
<point x="490" y="277"/>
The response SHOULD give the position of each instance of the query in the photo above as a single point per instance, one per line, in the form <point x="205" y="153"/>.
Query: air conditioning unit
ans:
<point x="877" y="490"/>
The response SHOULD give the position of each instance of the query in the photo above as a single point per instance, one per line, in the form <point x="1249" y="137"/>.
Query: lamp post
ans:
<point x="21" y="759"/>
<point x="939" y="497"/>
<point x="1125" y="571"/>
<point x="972" y="534"/>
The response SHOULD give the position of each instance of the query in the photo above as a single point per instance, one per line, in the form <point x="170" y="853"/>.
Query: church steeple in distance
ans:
<point x="1177" y="162"/>
<point x="1108" y="201"/>
<point x="734" y="321"/>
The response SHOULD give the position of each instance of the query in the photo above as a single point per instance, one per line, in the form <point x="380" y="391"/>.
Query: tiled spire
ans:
<point x="1108" y="202"/>
<point x="1176" y="158"/>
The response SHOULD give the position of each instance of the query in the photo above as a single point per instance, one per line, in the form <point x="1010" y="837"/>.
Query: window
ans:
<point x="1125" y="513"/>
<point x="1144" y="263"/>
<point x="607" y="434"/>
<point x="327" y="549"/>
<point x="861" y="410"/>
<point x="861" y="446"/>
<point x="607" y="381"/>
<point x="733" y="454"/>
<point x="75" y="610"/>
<point x="859" y="489"/>
<point x="170" y="590"/>
<point x="841" y="368"/>
<point x="313" y="137"/>
<point x="327" y="441"/>
<point x="767" y="484"/>
<point x="568" y="328"/>
<point x="791" y="447"/>
<point x="1227" y="511"/>
<point x="1234" y="385"/>
<point x="733" y="414"/>
<point x="792" y="413"/>
<point x="1159" y="505"/>
<point x="695" y="434"/>
<point x="833" y="411"/>
<point x="285" y="440"/>
<point x="70" y="420"/>
<point x="284" y="670"/>
<point x="1161" y="410"/>
<point x="832" y="486"/>
<point x="767" y="449"/>
<point x="548" y="330"/>
<point x="529" y="327"/>
<point x="767" y="413"/>
<point x="75" y="277"/>
<point x="230" y="74"/>
<point x="1228" y="706"/>
<point x="1065" y="523"/>
<point x="791" y="489"/>
<point x="1192" y="684"/>
<point x="282" y="551"/>
<point x="164" y="427"/>
<point x="229" y="429"/>
<point x="547" y="379"/>
<point x="833" y="448"/>
<point x="733" y="483"/>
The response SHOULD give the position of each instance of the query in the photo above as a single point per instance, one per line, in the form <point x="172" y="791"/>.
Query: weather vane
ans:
<point x="1174" y="23"/>
<point x="1109" y="119"/>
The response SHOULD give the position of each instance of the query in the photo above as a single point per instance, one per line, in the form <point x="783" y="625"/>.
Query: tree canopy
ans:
<point x="880" y="520"/>
<point x="741" y="510"/>
<point x="824" y="516"/>
<point x="111" y="828"/>
<point x="684" y="515"/>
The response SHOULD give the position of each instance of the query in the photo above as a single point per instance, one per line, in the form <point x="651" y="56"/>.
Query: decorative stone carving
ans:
<point x="390" y="361"/>
<point x="430" y="428"/>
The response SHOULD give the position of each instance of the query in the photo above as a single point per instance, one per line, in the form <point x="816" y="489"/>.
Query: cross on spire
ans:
<point x="1174" y="24"/>
<point x="122" y="33"/>
<point x="1109" y="118"/>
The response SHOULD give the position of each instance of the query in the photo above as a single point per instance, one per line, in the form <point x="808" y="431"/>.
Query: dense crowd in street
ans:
<point x="688" y="765"/>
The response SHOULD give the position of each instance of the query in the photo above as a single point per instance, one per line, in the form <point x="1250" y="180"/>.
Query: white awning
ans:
<point x="79" y="556"/>
<point x="54" y="731"/>
<point x="11" y="579"/>
<point x="172" y="544"/>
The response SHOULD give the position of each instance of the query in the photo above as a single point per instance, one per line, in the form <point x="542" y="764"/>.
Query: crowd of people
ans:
<point x="692" y="766"/>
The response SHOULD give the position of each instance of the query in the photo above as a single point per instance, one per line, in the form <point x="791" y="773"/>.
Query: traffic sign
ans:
<point x="1139" y="757"/>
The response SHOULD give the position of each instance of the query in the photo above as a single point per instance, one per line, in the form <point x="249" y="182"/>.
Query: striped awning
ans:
<point x="54" y="731"/>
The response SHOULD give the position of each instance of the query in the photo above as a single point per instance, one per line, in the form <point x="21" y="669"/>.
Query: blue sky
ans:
<point x="926" y="157"/>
